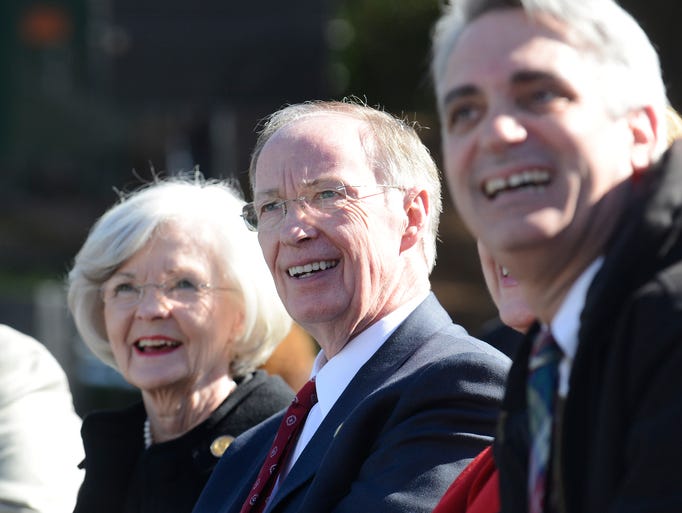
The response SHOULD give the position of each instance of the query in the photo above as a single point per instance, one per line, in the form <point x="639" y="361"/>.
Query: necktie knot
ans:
<point x="307" y="395"/>
<point x="545" y="351"/>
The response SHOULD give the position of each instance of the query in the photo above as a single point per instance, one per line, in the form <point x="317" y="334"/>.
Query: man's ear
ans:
<point x="417" y="211"/>
<point x="644" y="125"/>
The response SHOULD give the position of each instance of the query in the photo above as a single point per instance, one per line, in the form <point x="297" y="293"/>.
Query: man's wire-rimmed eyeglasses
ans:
<point x="266" y="214"/>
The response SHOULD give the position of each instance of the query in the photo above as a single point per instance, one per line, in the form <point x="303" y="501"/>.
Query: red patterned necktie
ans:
<point x="541" y="394"/>
<point x="286" y="437"/>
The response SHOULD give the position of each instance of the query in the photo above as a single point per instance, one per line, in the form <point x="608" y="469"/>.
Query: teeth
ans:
<point x="515" y="180"/>
<point x="493" y="186"/>
<point x="311" y="267"/>
<point x="156" y="343"/>
<point x="505" y="271"/>
<point x="532" y="177"/>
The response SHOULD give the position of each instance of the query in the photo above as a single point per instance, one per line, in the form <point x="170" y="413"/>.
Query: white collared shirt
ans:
<point x="333" y="376"/>
<point x="566" y="322"/>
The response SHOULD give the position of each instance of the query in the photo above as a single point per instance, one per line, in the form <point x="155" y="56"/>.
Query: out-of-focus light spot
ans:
<point x="44" y="25"/>
<point x="340" y="33"/>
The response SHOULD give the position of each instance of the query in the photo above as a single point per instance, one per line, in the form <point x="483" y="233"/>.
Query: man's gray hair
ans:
<point x="622" y="54"/>
<point x="393" y="148"/>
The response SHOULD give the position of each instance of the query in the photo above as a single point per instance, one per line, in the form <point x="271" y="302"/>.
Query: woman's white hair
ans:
<point x="194" y="203"/>
<point x="624" y="57"/>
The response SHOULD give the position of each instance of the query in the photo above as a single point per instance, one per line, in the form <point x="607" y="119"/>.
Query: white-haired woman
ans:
<point x="171" y="290"/>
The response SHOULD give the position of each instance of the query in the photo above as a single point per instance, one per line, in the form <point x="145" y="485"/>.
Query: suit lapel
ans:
<point x="382" y="368"/>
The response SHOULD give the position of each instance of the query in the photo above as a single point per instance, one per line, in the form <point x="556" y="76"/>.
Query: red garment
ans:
<point x="476" y="489"/>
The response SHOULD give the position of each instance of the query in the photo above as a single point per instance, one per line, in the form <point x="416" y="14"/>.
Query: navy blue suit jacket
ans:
<point x="403" y="429"/>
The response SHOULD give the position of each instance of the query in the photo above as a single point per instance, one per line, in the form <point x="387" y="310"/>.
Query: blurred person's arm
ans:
<point x="40" y="445"/>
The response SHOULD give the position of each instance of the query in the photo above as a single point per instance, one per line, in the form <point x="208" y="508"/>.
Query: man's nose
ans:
<point x="298" y="222"/>
<point x="501" y="130"/>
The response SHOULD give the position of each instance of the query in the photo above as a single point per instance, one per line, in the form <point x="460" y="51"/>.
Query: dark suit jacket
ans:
<point x="406" y="425"/>
<point x="618" y="448"/>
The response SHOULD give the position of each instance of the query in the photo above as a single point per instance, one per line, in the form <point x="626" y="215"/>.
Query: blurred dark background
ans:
<point x="96" y="95"/>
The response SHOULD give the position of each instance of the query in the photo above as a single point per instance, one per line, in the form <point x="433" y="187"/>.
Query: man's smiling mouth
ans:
<point x="530" y="178"/>
<point x="302" y="271"/>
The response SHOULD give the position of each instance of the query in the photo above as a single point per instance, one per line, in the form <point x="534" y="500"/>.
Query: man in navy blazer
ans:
<point x="346" y="205"/>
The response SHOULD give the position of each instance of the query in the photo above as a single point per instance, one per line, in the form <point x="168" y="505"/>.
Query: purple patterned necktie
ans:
<point x="286" y="437"/>
<point x="543" y="368"/>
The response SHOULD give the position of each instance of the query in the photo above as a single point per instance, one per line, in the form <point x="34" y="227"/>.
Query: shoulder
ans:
<point x="263" y="385"/>
<point x="448" y="367"/>
<point x="26" y="366"/>
<point x="452" y="349"/>
<point x="33" y="386"/>
<point x="475" y="373"/>
<point x="258" y="403"/>
<point x="652" y="321"/>
<point x="429" y="351"/>
<point x="434" y="335"/>
<point x="263" y="392"/>
<point x="257" y="397"/>
<point x="114" y="424"/>
<point x="36" y="408"/>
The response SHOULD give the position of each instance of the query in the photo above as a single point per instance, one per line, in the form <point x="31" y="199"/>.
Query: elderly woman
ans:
<point x="171" y="289"/>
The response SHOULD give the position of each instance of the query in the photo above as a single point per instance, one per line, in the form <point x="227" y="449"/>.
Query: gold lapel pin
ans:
<point x="220" y="445"/>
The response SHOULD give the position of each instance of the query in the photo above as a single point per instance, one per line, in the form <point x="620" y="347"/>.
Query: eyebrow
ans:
<point x="274" y="193"/>
<point x="526" y="76"/>
<point x="174" y="272"/>
<point x="268" y="193"/>
<point x="459" y="92"/>
<point x="518" y="78"/>
<point x="123" y="275"/>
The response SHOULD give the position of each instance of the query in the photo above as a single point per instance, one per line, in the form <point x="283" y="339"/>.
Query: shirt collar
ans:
<point x="566" y="322"/>
<point x="333" y="376"/>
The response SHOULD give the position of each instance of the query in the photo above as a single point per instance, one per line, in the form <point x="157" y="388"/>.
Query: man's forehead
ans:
<point x="331" y="118"/>
<point x="322" y="133"/>
<point x="506" y="29"/>
<point x="520" y="46"/>
<point x="316" y="141"/>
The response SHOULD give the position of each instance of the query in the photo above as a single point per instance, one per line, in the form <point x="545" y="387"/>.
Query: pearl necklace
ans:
<point x="147" y="429"/>
<point x="147" y="432"/>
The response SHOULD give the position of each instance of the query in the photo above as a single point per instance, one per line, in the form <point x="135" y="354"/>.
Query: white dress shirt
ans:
<point x="566" y="323"/>
<point x="333" y="376"/>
